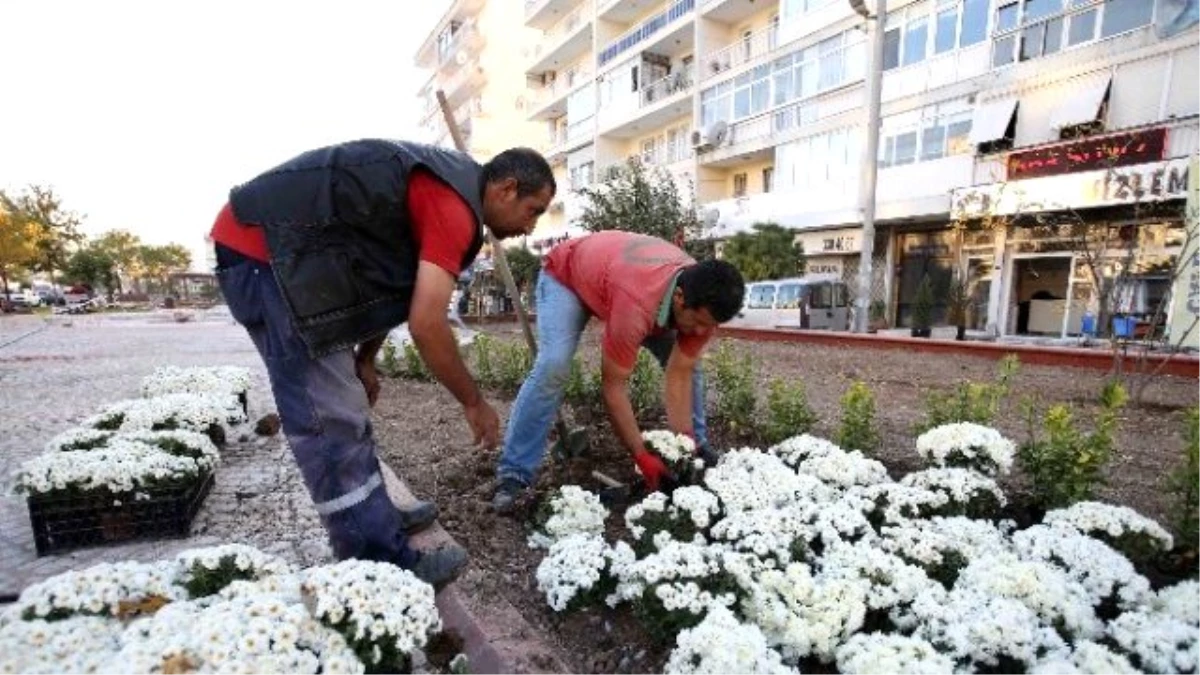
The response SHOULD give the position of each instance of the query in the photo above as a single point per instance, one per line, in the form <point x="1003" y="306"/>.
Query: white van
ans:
<point x="815" y="302"/>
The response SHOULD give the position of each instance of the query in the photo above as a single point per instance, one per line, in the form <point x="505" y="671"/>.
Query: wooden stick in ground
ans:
<point x="497" y="250"/>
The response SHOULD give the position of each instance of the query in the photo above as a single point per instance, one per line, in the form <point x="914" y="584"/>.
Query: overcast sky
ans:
<point x="142" y="114"/>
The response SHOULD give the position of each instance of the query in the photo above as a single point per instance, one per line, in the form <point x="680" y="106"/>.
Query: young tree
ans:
<point x="159" y="262"/>
<point x="524" y="265"/>
<point x="635" y="198"/>
<point x="122" y="247"/>
<point x="18" y="246"/>
<point x="93" y="266"/>
<point x="769" y="251"/>
<point x="57" y="229"/>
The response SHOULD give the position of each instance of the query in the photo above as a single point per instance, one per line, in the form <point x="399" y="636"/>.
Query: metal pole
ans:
<point x="866" y="192"/>
<point x="497" y="250"/>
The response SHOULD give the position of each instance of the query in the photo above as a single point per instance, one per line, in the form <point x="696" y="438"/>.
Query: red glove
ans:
<point x="651" y="466"/>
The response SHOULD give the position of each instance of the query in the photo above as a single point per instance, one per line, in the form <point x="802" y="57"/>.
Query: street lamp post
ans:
<point x="866" y="189"/>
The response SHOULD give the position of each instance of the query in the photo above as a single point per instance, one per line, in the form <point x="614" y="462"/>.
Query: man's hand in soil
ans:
<point x="364" y="367"/>
<point x="652" y="468"/>
<point x="484" y="423"/>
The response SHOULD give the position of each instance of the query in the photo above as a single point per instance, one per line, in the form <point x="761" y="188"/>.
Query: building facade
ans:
<point x="988" y="106"/>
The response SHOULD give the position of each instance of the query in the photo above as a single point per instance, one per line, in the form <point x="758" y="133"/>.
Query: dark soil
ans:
<point x="423" y="436"/>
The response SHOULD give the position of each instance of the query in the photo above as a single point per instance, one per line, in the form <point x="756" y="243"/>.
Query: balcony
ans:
<point x="730" y="11"/>
<point x="466" y="41"/>
<point x="657" y="104"/>
<point x="564" y="42"/>
<point x="750" y="48"/>
<point x="550" y="102"/>
<point x="543" y="14"/>
<point x="647" y="29"/>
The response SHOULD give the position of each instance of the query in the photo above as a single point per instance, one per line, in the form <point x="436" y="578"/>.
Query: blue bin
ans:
<point x="1123" y="326"/>
<point x="1087" y="325"/>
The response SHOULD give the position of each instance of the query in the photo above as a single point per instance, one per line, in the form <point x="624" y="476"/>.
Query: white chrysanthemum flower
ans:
<point x="797" y="449"/>
<point x="229" y="380"/>
<point x="926" y="542"/>
<point x="1179" y="602"/>
<point x="969" y="446"/>
<point x="1055" y="597"/>
<point x="123" y="465"/>
<point x="655" y="502"/>
<point x="572" y="511"/>
<point x="803" y="615"/>
<point x="101" y="590"/>
<point x="1157" y="641"/>
<point x="721" y="644"/>
<point x="700" y="505"/>
<point x="1086" y="657"/>
<point x="380" y="604"/>
<point x="675" y="574"/>
<point x="971" y="491"/>
<point x="883" y="654"/>
<point x="79" y="438"/>
<point x="895" y="503"/>
<point x="1101" y="571"/>
<point x="673" y="448"/>
<point x="749" y="479"/>
<point x="1110" y="522"/>
<point x="844" y="469"/>
<point x="81" y="644"/>
<point x="193" y="412"/>
<point x="573" y="565"/>
<point x="247" y="562"/>
<point x="893" y="582"/>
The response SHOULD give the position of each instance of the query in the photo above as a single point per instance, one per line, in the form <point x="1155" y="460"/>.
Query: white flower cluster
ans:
<point x="227" y="380"/>
<point x="79" y="438"/>
<point x="572" y="511"/>
<point x="969" y="446"/>
<point x="722" y="644"/>
<point x="137" y="617"/>
<point x="673" y="448"/>
<point x="195" y="412"/>
<point x="123" y="464"/>
<point x="963" y="487"/>
<point x="884" y="654"/>
<point x="807" y="551"/>
<point x="373" y="603"/>
<point x="1108" y="520"/>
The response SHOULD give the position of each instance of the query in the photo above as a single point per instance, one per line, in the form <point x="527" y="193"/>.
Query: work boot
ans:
<point x="418" y="517"/>
<point x="508" y="492"/>
<point x="441" y="565"/>
<point x="710" y="456"/>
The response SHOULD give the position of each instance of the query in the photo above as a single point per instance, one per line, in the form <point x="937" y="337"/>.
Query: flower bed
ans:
<point x="204" y="413"/>
<point x="223" y="609"/>
<point x="811" y="558"/>
<point x="104" y="487"/>
<point x="221" y="380"/>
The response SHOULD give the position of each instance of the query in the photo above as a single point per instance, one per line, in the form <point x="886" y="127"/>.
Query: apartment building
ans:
<point x="988" y="107"/>
<point x="477" y="55"/>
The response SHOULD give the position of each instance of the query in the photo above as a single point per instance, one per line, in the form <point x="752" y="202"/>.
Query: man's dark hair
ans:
<point x="531" y="170"/>
<point x="714" y="284"/>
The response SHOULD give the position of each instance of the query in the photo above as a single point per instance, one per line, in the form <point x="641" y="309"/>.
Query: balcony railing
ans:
<point x="748" y="48"/>
<point x="645" y="30"/>
<point x="558" y="33"/>
<point x="467" y="34"/>
<point x="561" y="86"/>
<point x="670" y="85"/>
<point x="581" y="129"/>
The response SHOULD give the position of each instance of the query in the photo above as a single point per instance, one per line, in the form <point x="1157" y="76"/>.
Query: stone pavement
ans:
<point x="53" y="378"/>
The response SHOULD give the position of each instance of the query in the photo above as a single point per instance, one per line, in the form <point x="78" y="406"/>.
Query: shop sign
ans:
<point x="824" y="266"/>
<point x="1090" y="154"/>
<point x="832" y="242"/>
<point x="1144" y="183"/>
<point x="1186" y="291"/>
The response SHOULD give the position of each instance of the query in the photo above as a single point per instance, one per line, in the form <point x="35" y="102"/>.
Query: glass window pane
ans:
<point x="974" y="22"/>
<point x="958" y="137"/>
<point x="783" y="87"/>
<point x="1003" y="54"/>
<point x="1054" y="31"/>
<point x="933" y="142"/>
<point x="1123" y="15"/>
<point x="1006" y="17"/>
<point x="906" y="148"/>
<point x="831" y="71"/>
<point x="1036" y="9"/>
<point x="947" y="31"/>
<point x="916" y="35"/>
<point x="1082" y="27"/>
<point x="760" y="96"/>
<point x="808" y="79"/>
<point x="1031" y="41"/>
<point x="891" y="49"/>
<point x="741" y="103"/>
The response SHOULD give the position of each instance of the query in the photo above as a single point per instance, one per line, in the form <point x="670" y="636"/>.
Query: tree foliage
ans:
<point x="92" y="265"/>
<point x="645" y="200"/>
<point x="523" y="264"/>
<point x="56" y="229"/>
<point x="769" y="251"/>
<point x="18" y="246"/>
<point x="159" y="262"/>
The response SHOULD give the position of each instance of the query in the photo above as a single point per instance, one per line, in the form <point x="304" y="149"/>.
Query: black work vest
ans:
<point x="339" y="231"/>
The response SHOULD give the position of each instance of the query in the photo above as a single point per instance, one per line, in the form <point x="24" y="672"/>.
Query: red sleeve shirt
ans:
<point x="443" y="225"/>
<point x="623" y="279"/>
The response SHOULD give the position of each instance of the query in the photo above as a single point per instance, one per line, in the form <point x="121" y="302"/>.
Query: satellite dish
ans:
<point x="717" y="132"/>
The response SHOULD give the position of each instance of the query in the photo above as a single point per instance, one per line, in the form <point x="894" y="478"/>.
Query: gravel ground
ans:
<point x="55" y="372"/>
<point x="424" y="438"/>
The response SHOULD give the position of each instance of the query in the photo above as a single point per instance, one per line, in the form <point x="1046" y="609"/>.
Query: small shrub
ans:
<point x="389" y="364"/>
<point x="512" y="363"/>
<point x="414" y="367"/>
<point x="583" y="385"/>
<point x="1185" y="483"/>
<point x="976" y="402"/>
<point x="482" y="351"/>
<point x="1067" y="465"/>
<point x="788" y="412"/>
<point x="858" y="431"/>
<point x="646" y="385"/>
<point x="734" y="376"/>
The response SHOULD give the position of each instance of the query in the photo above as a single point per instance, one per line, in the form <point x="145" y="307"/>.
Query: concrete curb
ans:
<point x="496" y="638"/>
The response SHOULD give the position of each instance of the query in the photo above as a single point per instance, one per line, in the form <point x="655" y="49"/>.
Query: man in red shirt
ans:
<point x="318" y="259"/>
<point x="648" y="293"/>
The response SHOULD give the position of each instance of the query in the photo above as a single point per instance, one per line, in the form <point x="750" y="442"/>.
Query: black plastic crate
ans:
<point x="64" y="523"/>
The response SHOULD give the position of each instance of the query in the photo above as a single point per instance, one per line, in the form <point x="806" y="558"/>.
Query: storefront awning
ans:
<point x="1082" y="103"/>
<point x="992" y="121"/>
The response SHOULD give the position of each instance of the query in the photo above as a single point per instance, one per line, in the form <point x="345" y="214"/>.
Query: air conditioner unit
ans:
<point x="697" y="139"/>
<point x="715" y="134"/>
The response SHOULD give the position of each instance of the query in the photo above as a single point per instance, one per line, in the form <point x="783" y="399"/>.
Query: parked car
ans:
<point x="815" y="302"/>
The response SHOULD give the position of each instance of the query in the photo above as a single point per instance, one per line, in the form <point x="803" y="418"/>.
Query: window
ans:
<point x="715" y="103"/>
<point x="650" y="151"/>
<point x="581" y="175"/>
<point x="768" y="177"/>
<point x="747" y="45"/>
<point x="906" y="39"/>
<point x="946" y="35"/>
<point x="941" y="131"/>
<point x="1029" y="29"/>
<point x="974" y="22"/>
<point x="752" y="92"/>
<point x="739" y="185"/>
<point x="820" y="296"/>
<point x="789" y="297"/>
<point x="761" y="296"/>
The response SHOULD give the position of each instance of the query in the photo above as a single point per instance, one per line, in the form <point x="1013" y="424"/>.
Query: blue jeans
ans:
<point x="325" y="415"/>
<point x="561" y="318"/>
